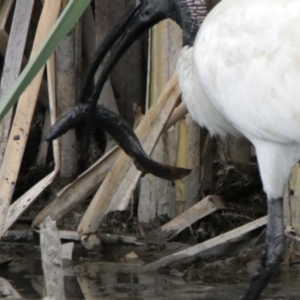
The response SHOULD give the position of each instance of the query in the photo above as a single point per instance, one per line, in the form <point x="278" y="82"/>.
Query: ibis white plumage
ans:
<point x="244" y="79"/>
<point x="240" y="76"/>
<point x="245" y="66"/>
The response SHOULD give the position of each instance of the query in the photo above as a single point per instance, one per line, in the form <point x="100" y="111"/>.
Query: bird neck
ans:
<point x="191" y="16"/>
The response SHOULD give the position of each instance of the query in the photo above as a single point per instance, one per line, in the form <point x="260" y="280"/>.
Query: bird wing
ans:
<point x="247" y="60"/>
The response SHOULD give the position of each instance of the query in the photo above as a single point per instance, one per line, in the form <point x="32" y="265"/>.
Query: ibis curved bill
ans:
<point x="123" y="135"/>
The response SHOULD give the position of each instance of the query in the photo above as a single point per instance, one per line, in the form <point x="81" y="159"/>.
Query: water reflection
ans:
<point x="93" y="280"/>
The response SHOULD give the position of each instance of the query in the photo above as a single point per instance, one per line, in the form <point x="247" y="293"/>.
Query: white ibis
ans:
<point x="240" y="76"/>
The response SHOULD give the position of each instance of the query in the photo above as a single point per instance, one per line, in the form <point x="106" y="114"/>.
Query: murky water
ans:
<point x="117" y="280"/>
<point x="105" y="281"/>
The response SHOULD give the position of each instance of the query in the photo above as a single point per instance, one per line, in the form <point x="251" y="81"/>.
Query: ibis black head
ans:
<point x="189" y="14"/>
<point x="147" y="14"/>
<point x="141" y="16"/>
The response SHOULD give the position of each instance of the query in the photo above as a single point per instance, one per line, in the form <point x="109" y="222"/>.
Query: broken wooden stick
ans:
<point x="23" y="116"/>
<point x="179" y="112"/>
<point x="21" y="204"/>
<point x="13" y="59"/>
<point x="192" y="253"/>
<point x="52" y="260"/>
<point x="106" y="238"/>
<point x="200" y="210"/>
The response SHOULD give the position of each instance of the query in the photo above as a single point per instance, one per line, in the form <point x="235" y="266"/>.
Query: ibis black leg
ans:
<point x="273" y="251"/>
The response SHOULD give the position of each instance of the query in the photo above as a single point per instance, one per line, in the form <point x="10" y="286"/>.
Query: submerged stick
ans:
<point x="198" y="211"/>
